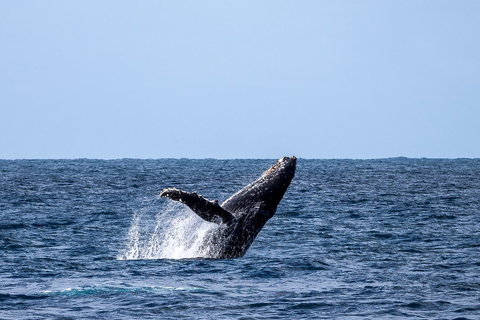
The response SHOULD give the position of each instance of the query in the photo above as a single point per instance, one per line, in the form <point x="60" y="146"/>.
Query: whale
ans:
<point x="241" y="217"/>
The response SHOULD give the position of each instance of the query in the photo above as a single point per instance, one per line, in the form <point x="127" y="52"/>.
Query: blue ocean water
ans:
<point x="352" y="239"/>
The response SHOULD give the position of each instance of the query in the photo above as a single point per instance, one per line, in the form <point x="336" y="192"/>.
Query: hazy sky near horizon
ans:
<point x="239" y="79"/>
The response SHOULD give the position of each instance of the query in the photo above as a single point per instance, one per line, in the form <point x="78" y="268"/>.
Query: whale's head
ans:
<point x="273" y="183"/>
<point x="283" y="169"/>
<point x="279" y="175"/>
<point x="266" y="192"/>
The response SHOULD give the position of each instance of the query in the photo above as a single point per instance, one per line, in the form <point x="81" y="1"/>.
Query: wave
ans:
<point x="94" y="290"/>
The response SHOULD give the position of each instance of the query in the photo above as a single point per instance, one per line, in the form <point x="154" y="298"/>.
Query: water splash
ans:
<point x="174" y="233"/>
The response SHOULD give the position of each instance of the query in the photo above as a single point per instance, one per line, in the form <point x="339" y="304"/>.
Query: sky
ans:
<point x="239" y="79"/>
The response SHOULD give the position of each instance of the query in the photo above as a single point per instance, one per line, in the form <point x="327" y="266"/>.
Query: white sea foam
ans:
<point x="174" y="233"/>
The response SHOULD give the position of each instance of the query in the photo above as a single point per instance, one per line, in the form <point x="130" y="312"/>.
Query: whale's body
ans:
<point x="243" y="215"/>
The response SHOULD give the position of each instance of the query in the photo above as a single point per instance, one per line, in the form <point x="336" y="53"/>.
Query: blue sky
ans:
<point x="239" y="79"/>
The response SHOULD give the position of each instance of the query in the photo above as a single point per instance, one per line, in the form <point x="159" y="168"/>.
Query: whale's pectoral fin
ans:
<point x="208" y="210"/>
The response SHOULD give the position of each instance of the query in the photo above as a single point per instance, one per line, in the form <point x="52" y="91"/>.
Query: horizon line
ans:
<point x="211" y="158"/>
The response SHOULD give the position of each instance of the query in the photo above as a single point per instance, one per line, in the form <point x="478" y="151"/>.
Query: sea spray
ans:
<point x="174" y="233"/>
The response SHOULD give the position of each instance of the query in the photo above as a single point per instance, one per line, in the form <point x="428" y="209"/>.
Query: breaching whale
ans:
<point x="243" y="215"/>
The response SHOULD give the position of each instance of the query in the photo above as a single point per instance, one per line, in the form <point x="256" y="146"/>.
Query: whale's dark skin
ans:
<point x="243" y="215"/>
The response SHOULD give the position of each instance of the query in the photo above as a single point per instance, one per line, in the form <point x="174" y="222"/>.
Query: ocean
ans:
<point x="352" y="239"/>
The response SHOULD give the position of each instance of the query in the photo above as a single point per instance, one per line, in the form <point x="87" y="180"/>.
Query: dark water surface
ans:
<point x="352" y="239"/>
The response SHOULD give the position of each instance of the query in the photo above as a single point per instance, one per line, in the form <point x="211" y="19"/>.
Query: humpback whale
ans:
<point x="243" y="215"/>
